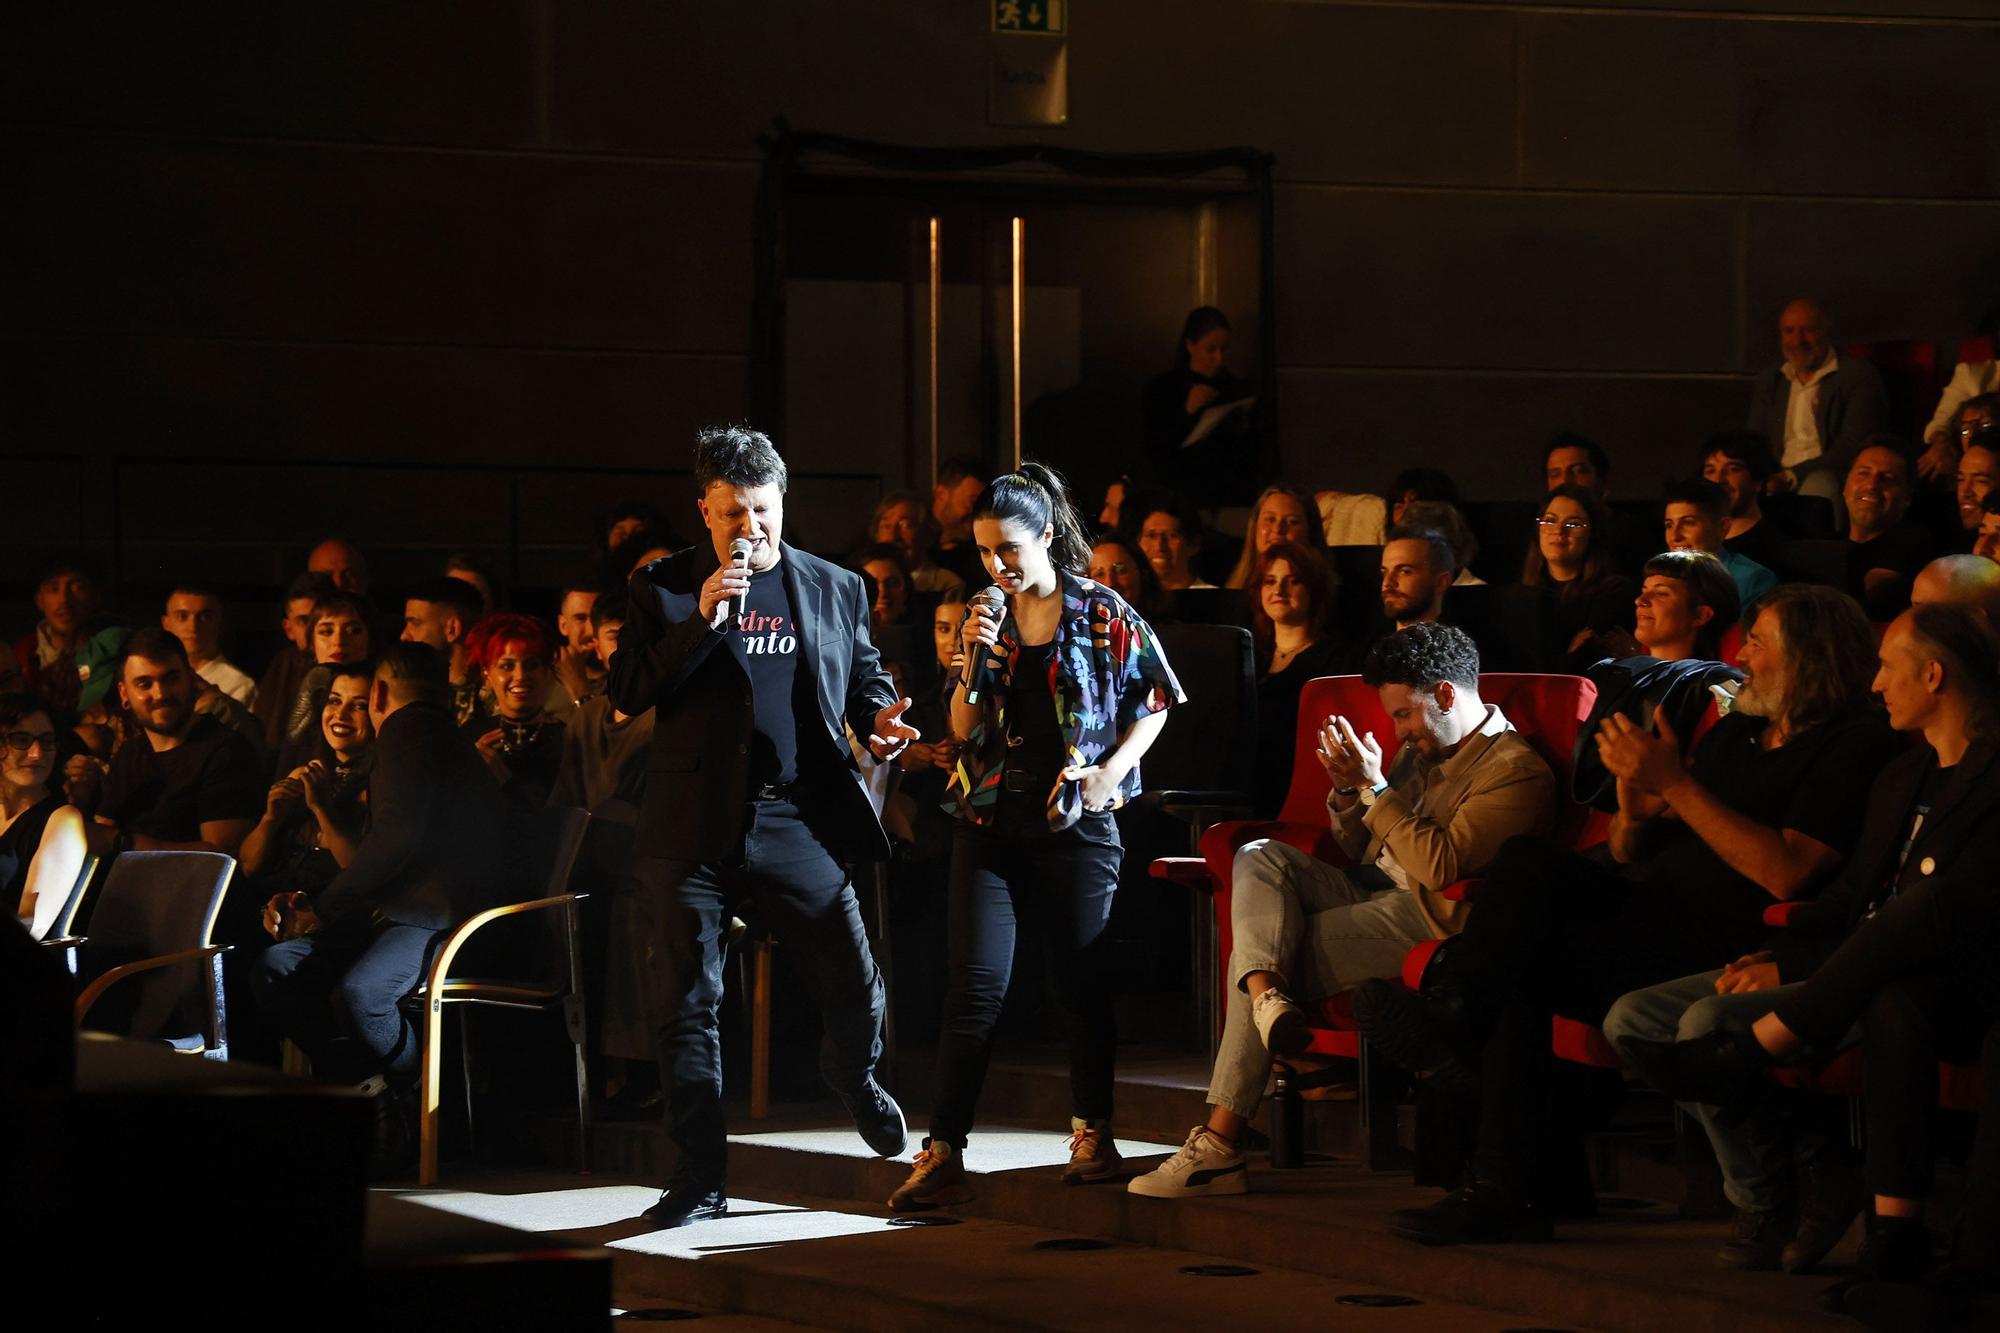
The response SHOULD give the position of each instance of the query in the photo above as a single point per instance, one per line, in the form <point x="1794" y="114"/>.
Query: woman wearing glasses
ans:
<point x="1585" y="608"/>
<point x="41" y="833"/>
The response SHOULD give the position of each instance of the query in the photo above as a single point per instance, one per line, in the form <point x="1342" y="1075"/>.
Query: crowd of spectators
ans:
<point x="369" y="773"/>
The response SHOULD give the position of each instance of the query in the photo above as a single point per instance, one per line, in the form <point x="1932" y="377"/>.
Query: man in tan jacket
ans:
<point x="1463" y="783"/>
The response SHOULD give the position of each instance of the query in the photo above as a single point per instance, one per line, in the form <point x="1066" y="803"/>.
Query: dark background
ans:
<point x="314" y="245"/>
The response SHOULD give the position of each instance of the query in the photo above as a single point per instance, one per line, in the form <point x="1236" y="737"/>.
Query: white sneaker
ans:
<point x="1204" y="1165"/>
<point x="1093" y="1156"/>
<point x="1281" y="1025"/>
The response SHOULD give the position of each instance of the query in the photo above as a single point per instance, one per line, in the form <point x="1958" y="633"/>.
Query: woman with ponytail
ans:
<point x="1065" y="689"/>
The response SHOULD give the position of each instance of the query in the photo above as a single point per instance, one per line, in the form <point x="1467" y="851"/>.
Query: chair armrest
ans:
<point x="64" y="942"/>
<point x="98" y="987"/>
<point x="1189" y="870"/>
<point x="441" y="965"/>
<point x="1462" y="891"/>
<point x="1225" y="804"/>
<point x="1416" y="960"/>
<point x="1781" y="914"/>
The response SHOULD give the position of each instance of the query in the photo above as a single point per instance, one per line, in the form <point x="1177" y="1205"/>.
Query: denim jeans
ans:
<point x="337" y="993"/>
<point x="1758" y="1153"/>
<point x="803" y="894"/>
<point x="1320" y="928"/>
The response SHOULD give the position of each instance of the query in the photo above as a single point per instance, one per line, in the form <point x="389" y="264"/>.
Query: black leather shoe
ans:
<point x="1479" y="1214"/>
<point x="1724" y="1069"/>
<point x="1830" y="1197"/>
<point x="1416" y="1031"/>
<point x="878" y="1120"/>
<point x="1896" y="1250"/>
<point x="690" y="1196"/>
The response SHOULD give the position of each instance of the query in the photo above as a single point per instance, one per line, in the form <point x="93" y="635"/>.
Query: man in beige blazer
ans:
<point x="1463" y="783"/>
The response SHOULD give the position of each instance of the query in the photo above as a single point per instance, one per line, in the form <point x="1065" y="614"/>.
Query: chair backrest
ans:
<point x="536" y="944"/>
<point x="1212" y="606"/>
<point x="562" y="832"/>
<point x="155" y="903"/>
<point x="60" y="920"/>
<point x="1976" y="349"/>
<point x="1209" y="742"/>
<point x="1548" y="711"/>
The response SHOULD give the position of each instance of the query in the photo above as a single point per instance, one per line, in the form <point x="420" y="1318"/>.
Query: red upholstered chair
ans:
<point x="1844" y="1075"/>
<point x="1549" y="711"/>
<point x="1974" y="350"/>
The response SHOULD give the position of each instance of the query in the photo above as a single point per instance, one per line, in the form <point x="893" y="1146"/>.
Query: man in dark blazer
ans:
<point x="1840" y="403"/>
<point x="1932" y="811"/>
<point x="433" y="856"/>
<point x="757" y="669"/>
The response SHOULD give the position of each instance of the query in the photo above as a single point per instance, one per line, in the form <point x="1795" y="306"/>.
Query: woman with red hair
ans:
<point x="514" y="656"/>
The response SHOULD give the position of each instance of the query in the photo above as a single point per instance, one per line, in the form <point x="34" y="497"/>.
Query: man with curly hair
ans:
<point x="1463" y="783"/>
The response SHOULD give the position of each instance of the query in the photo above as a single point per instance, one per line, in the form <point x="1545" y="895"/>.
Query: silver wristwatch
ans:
<point x="1370" y="794"/>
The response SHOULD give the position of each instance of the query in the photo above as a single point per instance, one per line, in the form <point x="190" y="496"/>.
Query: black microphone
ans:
<point x="979" y="671"/>
<point x="739" y="558"/>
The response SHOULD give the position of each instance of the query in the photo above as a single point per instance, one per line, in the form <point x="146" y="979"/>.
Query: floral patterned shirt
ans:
<point x="1107" y="670"/>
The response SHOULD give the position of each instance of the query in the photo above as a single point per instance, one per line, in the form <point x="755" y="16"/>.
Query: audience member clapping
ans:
<point x="441" y="613"/>
<point x="185" y="782"/>
<point x="42" y="840"/>
<point x="519" y="741"/>
<point x="315" y="814"/>
<point x="1586" y="608"/>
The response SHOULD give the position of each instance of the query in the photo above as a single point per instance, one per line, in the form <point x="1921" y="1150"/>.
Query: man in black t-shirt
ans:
<point x="1930" y="812"/>
<point x="1769" y="809"/>
<point x="757" y="672"/>
<point x="186" y="782"/>
<point x="1884" y="552"/>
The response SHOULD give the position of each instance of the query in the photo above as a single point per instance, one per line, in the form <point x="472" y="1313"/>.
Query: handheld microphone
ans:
<point x="739" y="558"/>
<point x="979" y="671"/>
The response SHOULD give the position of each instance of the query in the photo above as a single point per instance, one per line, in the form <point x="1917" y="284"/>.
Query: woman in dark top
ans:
<point x="1586" y="608"/>
<point x="514" y="656"/>
<point x="1071" y="689"/>
<point x="315" y="815"/>
<point x="1176" y="400"/>
<point x="41" y="833"/>
<point x="1294" y="591"/>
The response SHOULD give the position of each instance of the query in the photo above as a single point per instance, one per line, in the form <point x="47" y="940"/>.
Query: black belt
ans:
<point x="1021" y="780"/>
<point x="776" y="791"/>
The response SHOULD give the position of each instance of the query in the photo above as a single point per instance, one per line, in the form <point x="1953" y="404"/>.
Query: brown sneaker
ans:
<point x="1757" y="1241"/>
<point x="1092" y="1154"/>
<point x="938" y="1180"/>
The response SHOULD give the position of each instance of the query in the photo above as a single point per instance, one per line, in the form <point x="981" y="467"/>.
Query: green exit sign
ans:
<point x="1041" y="17"/>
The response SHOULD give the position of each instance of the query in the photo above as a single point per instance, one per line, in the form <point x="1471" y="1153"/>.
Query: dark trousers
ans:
<point x="1554" y="933"/>
<point x="338" y="992"/>
<point x="1909" y="1026"/>
<point x="1948" y="928"/>
<point x="1062" y="885"/>
<point x="804" y="897"/>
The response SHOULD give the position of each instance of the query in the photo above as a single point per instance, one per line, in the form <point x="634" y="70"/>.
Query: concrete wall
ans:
<point x="520" y="232"/>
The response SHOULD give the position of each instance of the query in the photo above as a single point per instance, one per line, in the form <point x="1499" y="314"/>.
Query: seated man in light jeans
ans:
<point x="1463" y="784"/>
<point x="1931" y="808"/>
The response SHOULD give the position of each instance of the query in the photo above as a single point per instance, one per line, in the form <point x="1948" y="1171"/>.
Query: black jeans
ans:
<point x="1062" y="883"/>
<point x="802" y="892"/>
<point x="1554" y="933"/>
<point x="337" y="993"/>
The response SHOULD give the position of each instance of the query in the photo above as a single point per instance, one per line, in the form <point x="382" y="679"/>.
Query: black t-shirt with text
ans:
<point x="765" y="639"/>
<point x="169" y="794"/>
